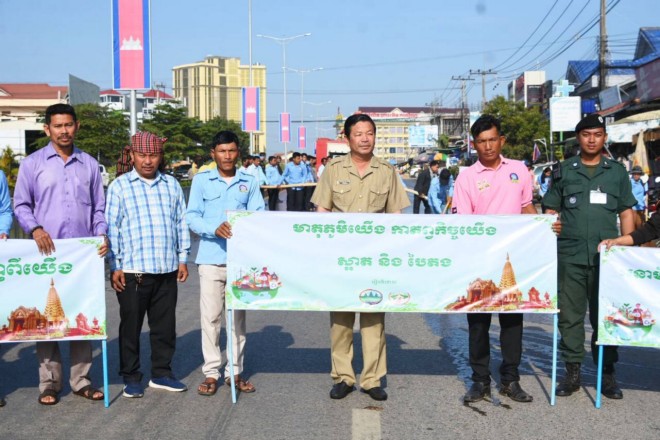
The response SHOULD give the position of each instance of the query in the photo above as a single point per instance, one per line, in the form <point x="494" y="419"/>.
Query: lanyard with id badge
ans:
<point x="597" y="197"/>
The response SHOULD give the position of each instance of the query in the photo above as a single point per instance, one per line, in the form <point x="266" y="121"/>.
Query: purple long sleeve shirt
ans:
<point x="66" y="199"/>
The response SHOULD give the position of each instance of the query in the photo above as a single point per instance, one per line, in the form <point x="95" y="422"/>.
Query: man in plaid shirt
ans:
<point x="149" y="245"/>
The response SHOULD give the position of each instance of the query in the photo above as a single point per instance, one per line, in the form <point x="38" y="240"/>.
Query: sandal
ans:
<point x="49" y="393"/>
<point x="208" y="387"/>
<point x="89" y="393"/>
<point x="242" y="385"/>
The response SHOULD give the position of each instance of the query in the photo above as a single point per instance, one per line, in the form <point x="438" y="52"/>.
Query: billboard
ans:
<point x="565" y="113"/>
<point x="424" y="136"/>
<point x="82" y="92"/>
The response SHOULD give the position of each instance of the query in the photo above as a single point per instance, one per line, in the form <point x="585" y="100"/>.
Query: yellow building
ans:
<point x="393" y="140"/>
<point x="212" y="88"/>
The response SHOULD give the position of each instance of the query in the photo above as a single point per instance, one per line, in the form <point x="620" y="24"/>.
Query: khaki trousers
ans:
<point x="372" y="330"/>
<point x="212" y="281"/>
<point x="50" y="365"/>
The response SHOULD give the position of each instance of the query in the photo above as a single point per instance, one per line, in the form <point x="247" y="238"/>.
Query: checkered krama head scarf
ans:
<point x="147" y="143"/>
<point x="141" y="142"/>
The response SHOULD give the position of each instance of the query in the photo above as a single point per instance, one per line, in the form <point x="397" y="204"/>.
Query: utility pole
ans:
<point x="483" y="74"/>
<point x="464" y="120"/>
<point x="602" y="52"/>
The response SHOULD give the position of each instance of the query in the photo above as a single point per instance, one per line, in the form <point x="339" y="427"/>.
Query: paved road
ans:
<point x="288" y="360"/>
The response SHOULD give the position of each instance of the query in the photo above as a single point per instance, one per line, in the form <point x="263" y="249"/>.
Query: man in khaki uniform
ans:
<point x="359" y="182"/>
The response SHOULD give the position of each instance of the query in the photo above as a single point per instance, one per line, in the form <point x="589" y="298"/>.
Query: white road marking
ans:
<point x="365" y="424"/>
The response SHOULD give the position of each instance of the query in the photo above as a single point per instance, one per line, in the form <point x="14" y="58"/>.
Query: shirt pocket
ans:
<point x="82" y="190"/>
<point x="212" y="203"/>
<point x="573" y="196"/>
<point x="612" y="192"/>
<point x="241" y="200"/>
<point x="378" y="199"/>
<point x="342" y="196"/>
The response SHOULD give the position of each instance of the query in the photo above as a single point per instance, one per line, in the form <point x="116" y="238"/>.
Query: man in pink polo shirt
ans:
<point x="494" y="185"/>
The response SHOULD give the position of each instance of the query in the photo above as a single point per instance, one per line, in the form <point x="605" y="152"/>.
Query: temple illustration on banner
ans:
<point x="485" y="295"/>
<point x="30" y="323"/>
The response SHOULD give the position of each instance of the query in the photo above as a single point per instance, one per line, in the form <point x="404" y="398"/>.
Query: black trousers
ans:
<point x="511" y="327"/>
<point x="155" y="295"/>
<point x="307" y="204"/>
<point x="416" y="201"/>
<point x="295" y="199"/>
<point x="273" y="195"/>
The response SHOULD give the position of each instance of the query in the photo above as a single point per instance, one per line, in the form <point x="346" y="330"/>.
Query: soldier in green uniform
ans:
<point x="591" y="191"/>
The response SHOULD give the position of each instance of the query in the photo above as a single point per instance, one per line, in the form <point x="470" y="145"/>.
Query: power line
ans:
<point x="530" y="35"/>
<point x="544" y="35"/>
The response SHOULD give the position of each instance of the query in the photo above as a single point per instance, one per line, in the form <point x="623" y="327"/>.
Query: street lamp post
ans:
<point x="302" y="73"/>
<point x="317" y="105"/>
<point x="283" y="41"/>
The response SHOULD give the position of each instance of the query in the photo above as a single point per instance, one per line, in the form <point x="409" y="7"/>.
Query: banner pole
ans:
<point x="554" y="358"/>
<point x="106" y="391"/>
<point x="599" y="376"/>
<point x="230" y="350"/>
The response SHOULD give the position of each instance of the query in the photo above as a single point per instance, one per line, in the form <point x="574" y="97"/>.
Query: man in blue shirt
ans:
<point x="441" y="191"/>
<point x="213" y="192"/>
<point x="5" y="208"/>
<point x="639" y="190"/>
<point x="295" y="172"/>
<point x="149" y="244"/>
<point x="274" y="177"/>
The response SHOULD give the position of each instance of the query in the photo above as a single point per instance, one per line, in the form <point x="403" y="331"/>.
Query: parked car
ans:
<point x="105" y="177"/>
<point x="414" y="170"/>
<point x="181" y="172"/>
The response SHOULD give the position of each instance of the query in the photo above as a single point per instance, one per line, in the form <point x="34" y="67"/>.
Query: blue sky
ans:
<point x="374" y="52"/>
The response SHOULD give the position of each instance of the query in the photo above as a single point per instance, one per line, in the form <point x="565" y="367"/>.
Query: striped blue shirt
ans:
<point x="146" y="224"/>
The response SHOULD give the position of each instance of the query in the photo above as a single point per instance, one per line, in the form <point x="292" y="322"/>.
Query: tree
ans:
<point x="520" y="125"/>
<point x="207" y="131"/>
<point x="102" y="134"/>
<point x="442" y="141"/>
<point x="9" y="166"/>
<point x="172" y="123"/>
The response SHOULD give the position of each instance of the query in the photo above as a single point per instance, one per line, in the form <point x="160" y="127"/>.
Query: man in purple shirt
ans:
<point x="59" y="194"/>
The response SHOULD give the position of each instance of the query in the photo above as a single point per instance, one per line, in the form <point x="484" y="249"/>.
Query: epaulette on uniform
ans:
<point x="335" y="160"/>
<point x="384" y="162"/>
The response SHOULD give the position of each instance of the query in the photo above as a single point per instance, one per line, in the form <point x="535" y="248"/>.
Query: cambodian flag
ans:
<point x="251" y="120"/>
<point x="285" y="127"/>
<point x="131" y="44"/>
<point x="536" y="154"/>
<point x="302" y="137"/>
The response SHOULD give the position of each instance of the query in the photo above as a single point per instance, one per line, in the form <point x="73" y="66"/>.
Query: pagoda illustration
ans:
<point x="508" y="285"/>
<point x="485" y="295"/>
<point x="54" y="312"/>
